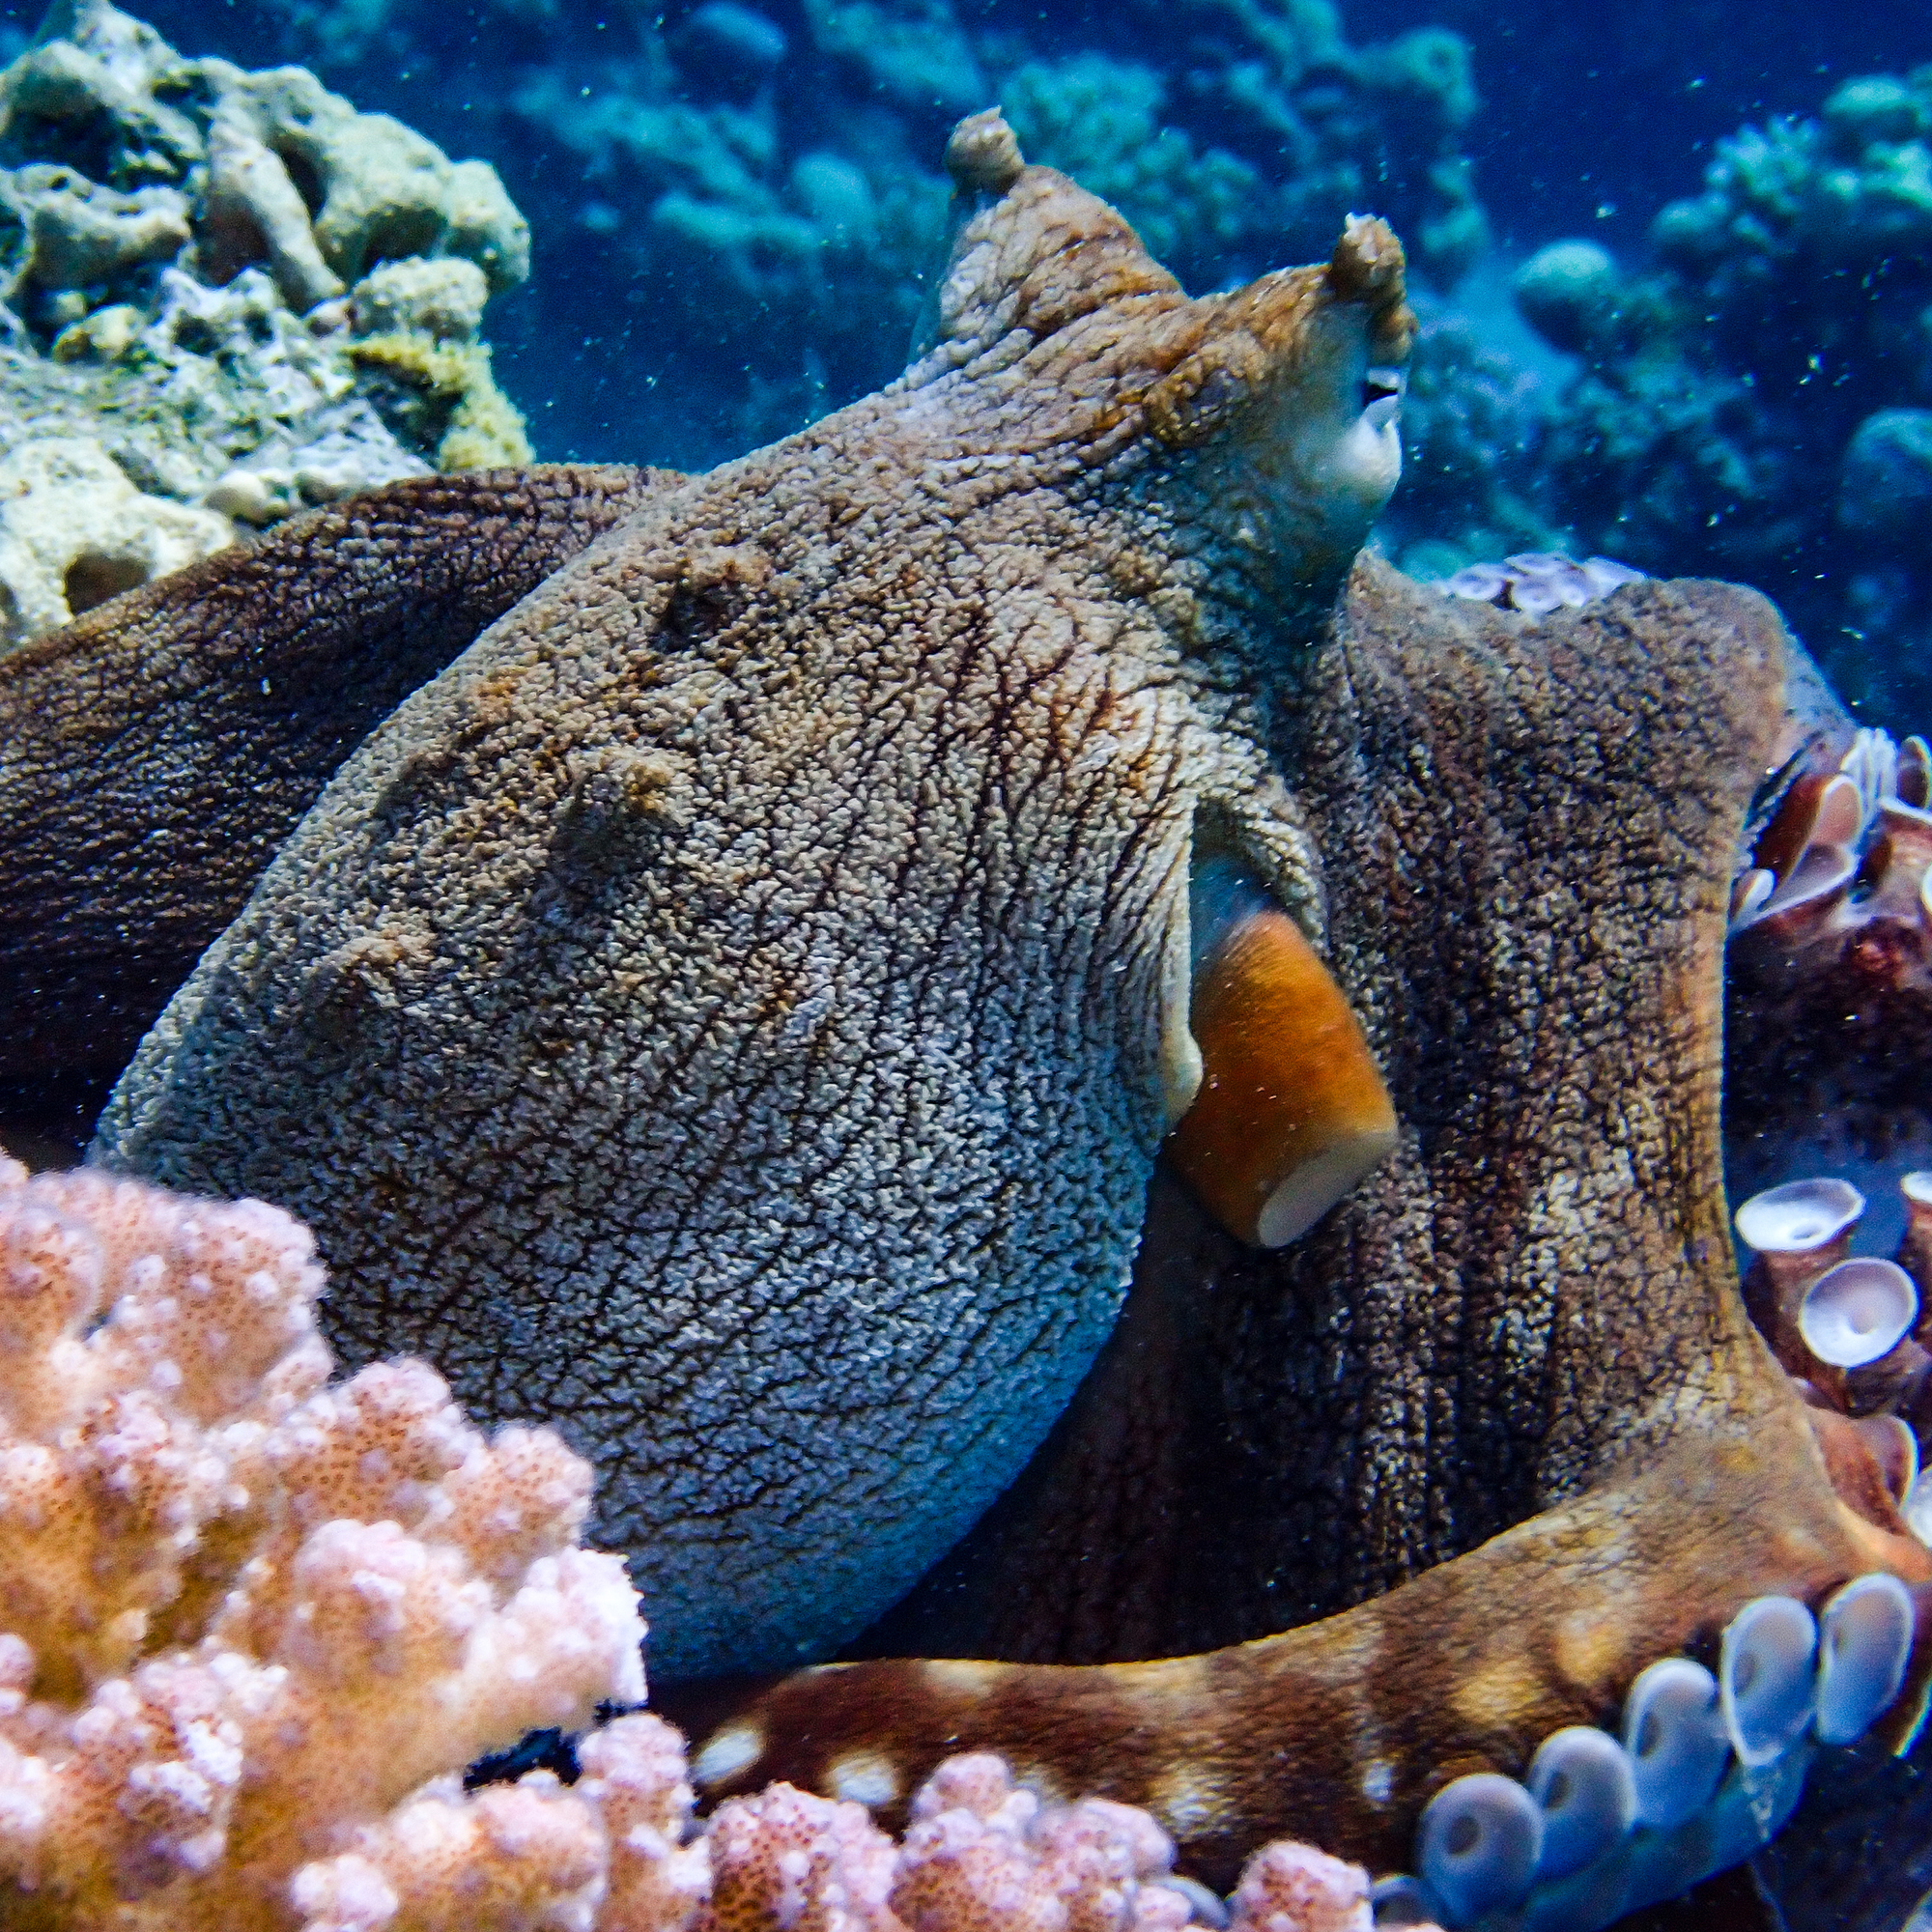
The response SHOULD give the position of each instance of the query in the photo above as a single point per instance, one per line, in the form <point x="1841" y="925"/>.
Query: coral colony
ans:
<point x="949" y="985"/>
<point x="191" y="350"/>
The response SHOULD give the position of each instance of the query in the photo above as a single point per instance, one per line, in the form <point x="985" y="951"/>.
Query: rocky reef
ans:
<point x="224" y="297"/>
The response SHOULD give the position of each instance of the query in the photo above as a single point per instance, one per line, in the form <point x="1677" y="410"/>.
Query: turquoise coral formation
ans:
<point x="1750" y="400"/>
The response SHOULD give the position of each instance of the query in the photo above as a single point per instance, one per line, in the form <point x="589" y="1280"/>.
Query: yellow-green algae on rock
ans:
<point x="224" y="297"/>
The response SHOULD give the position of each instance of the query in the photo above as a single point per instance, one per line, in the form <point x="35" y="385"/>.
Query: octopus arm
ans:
<point x="1344" y="1729"/>
<point x="155" y="752"/>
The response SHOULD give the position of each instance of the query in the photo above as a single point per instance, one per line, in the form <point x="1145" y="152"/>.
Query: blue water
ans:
<point x="1591" y="119"/>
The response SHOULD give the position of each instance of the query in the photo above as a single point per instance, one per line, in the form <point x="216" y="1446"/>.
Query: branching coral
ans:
<point x="252" y="1621"/>
<point x="983" y="1855"/>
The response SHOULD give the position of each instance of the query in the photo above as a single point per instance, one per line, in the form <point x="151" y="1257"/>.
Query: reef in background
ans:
<point x="735" y="206"/>
<point x="736" y="216"/>
<point x="223" y="297"/>
<point x="1753" y="403"/>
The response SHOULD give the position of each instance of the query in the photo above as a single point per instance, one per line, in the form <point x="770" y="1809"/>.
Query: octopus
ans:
<point x="1109" y="1119"/>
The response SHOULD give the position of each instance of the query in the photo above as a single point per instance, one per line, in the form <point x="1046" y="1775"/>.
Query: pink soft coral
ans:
<point x="253" y="1622"/>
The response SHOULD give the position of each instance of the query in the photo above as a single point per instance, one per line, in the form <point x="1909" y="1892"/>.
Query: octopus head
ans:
<point x="1293" y="392"/>
<point x="1268" y="411"/>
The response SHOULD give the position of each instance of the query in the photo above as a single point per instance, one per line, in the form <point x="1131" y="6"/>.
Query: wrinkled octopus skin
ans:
<point x="733" y="1012"/>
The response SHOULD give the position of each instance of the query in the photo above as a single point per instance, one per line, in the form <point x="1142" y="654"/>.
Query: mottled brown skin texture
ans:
<point x="1541" y="1282"/>
<point x="155" y="754"/>
<point x="1530" y="1316"/>
<point x="734" y="1011"/>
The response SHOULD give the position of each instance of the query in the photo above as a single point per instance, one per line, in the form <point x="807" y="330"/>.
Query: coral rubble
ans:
<point x="223" y="295"/>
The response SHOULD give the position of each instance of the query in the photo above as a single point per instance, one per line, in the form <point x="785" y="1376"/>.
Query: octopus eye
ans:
<point x="1383" y="391"/>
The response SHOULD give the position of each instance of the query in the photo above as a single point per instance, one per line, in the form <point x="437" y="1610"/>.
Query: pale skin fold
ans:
<point x="732" y="1012"/>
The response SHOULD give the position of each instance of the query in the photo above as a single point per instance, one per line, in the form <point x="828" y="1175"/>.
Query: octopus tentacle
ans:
<point x="1573" y="1852"/>
<point x="1828" y="995"/>
<point x="1346" y="1729"/>
<point x="1851" y="1332"/>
